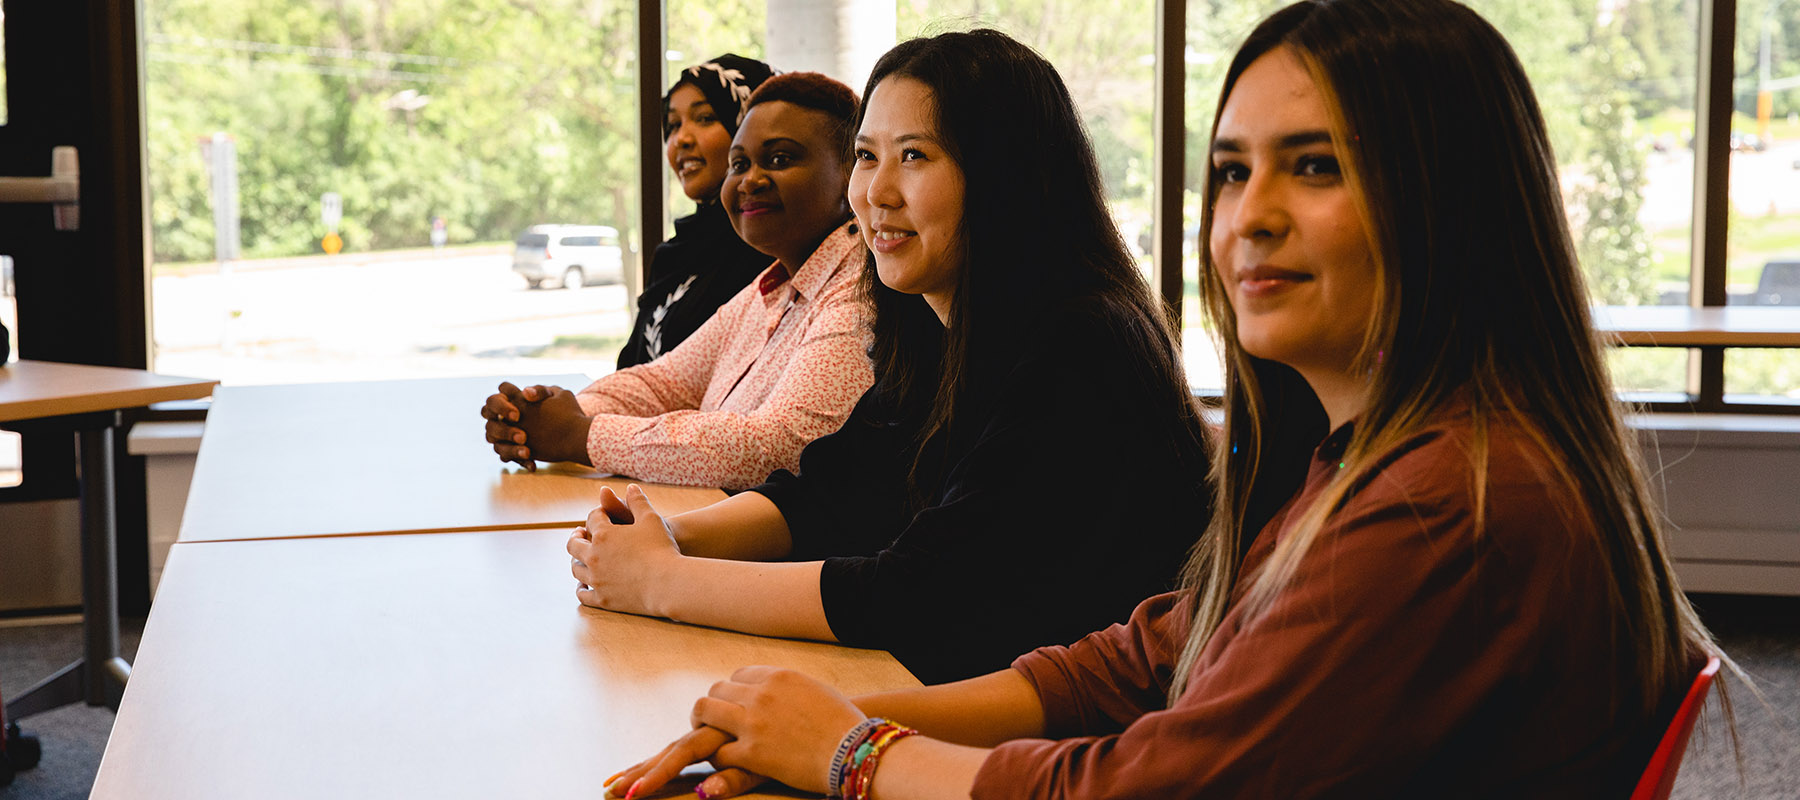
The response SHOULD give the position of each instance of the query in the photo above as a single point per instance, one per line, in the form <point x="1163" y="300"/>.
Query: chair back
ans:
<point x="1659" y="777"/>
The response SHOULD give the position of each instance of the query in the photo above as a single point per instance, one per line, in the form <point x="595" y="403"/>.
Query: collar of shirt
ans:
<point x="814" y="274"/>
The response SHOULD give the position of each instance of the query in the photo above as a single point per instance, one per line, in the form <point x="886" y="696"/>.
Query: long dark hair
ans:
<point x="1035" y="239"/>
<point x="1478" y="295"/>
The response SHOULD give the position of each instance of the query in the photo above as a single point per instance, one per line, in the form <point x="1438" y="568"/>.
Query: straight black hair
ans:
<point x="1036" y="237"/>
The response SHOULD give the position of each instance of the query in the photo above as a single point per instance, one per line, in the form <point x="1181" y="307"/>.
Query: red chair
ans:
<point x="1659" y="777"/>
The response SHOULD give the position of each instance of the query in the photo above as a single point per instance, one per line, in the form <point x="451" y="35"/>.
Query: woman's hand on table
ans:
<point x="536" y="423"/>
<point x="760" y="721"/>
<point x="502" y="414"/>
<point x="624" y="556"/>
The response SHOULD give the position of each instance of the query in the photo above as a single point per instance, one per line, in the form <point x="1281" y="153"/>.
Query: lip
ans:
<point x="881" y="245"/>
<point x="1264" y="280"/>
<point x="755" y="209"/>
<point x="688" y="165"/>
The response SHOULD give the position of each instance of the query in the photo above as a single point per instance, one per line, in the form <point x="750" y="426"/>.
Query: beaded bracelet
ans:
<point x="840" y="761"/>
<point x="861" y="778"/>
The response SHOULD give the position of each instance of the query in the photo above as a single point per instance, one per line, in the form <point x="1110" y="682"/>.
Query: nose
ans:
<point x="682" y="137"/>
<point x="882" y="191"/>
<point x="754" y="180"/>
<point x="1259" y="210"/>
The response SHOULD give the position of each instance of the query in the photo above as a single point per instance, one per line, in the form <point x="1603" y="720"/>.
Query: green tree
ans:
<point x="1609" y="181"/>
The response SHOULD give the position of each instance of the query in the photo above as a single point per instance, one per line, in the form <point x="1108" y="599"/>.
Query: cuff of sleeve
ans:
<point x="1015" y="769"/>
<point x="842" y="591"/>
<point x="609" y="443"/>
<point x="1055" y="690"/>
<point x="783" y="489"/>
<point x="590" y="403"/>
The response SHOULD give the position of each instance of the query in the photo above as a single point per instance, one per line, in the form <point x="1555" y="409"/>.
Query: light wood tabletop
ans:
<point x="453" y="665"/>
<point x="340" y="459"/>
<point x="1718" y="326"/>
<point x="35" y="389"/>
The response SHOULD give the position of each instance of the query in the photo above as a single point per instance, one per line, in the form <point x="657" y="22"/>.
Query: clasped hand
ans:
<point x="760" y="721"/>
<point x="537" y="423"/>
<point x="624" y="555"/>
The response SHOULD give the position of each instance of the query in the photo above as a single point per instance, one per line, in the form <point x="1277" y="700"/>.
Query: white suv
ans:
<point x="571" y="256"/>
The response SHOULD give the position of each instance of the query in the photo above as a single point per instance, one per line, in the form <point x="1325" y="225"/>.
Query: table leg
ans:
<point x="106" y="671"/>
<point x="99" y="677"/>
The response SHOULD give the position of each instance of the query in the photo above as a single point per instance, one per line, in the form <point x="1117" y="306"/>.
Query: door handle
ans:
<point x="62" y="190"/>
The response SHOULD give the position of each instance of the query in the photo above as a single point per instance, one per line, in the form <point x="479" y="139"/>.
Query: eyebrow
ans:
<point x="902" y="138"/>
<point x="779" y="140"/>
<point x="1284" y="142"/>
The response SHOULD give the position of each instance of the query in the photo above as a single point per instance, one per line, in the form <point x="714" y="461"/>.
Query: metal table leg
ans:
<point x="99" y="677"/>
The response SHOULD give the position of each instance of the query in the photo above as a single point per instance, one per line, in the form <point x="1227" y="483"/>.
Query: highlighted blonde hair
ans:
<point x="1478" y="295"/>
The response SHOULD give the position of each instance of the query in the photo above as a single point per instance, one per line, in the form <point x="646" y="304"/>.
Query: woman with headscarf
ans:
<point x="705" y="263"/>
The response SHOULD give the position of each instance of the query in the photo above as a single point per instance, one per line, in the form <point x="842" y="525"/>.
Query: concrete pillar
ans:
<point x="841" y="38"/>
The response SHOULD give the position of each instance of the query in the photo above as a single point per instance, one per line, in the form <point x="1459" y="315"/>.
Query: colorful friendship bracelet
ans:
<point x="861" y="777"/>
<point x="840" y="761"/>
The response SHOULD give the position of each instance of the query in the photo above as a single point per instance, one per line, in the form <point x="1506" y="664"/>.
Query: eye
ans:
<point x="1317" y="166"/>
<point x="738" y="165"/>
<point x="910" y="154"/>
<point x="706" y="118"/>
<point x="1230" y="172"/>
<point x="864" y="155"/>
<point x="779" y="160"/>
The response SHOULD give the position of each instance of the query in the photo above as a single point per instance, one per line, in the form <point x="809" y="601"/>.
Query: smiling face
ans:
<point x="908" y="194"/>
<point x="1286" y="239"/>
<point x="696" y="144"/>
<point x="784" y="188"/>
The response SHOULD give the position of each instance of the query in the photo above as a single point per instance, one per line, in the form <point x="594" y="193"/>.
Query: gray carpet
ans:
<point x="1761" y="633"/>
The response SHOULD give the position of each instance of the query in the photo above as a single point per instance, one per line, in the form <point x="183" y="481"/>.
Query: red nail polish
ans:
<point x="632" y="792"/>
<point x="701" y="791"/>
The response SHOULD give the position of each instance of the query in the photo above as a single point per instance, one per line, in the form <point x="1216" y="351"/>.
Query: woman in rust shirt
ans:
<point x="1468" y="597"/>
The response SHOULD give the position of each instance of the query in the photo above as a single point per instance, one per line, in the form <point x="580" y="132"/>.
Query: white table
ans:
<point x="444" y="665"/>
<point x="339" y="459"/>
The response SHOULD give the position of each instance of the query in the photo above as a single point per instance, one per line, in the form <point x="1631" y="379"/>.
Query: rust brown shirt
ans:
<point x="1411" y="656"/>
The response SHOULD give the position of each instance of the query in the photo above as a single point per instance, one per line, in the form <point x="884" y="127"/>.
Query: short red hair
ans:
<point x="818" y="92"/>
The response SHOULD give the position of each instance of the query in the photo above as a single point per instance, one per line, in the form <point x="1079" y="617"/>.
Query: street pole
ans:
<point x="1765" y="97"/>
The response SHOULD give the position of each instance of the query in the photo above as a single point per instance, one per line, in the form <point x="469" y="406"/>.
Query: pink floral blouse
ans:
<point x="780" y="364"/>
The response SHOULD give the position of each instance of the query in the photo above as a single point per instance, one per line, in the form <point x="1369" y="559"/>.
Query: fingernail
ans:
<point x="519" y="437"/>
<point x="615" y="776"/>
<point x="701" y="790"/>
<point x="632" y="792"/>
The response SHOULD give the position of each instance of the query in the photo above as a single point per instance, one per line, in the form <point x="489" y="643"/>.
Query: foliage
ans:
<point x="1609" y="189"/>
<point x="528" y="116"/>
<point x="531" y="110"/>
<point x="1109" y="69"/>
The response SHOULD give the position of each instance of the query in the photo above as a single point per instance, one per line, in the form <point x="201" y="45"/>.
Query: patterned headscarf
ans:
<point x="727" y="82"/>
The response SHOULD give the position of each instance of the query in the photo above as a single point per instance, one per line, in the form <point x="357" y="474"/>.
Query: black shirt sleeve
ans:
<point x="852" y="500"/>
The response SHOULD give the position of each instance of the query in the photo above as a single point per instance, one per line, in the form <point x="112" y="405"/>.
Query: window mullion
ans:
<point x="1712" y="184"/>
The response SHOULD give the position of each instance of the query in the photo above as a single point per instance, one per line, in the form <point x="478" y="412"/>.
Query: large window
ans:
<point x="445" y="130"/>
<point x="337" y="188"/>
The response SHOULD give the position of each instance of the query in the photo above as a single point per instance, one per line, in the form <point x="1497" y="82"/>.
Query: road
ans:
<point x="1760" y="183"/>
<point x="345" y="319"/>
